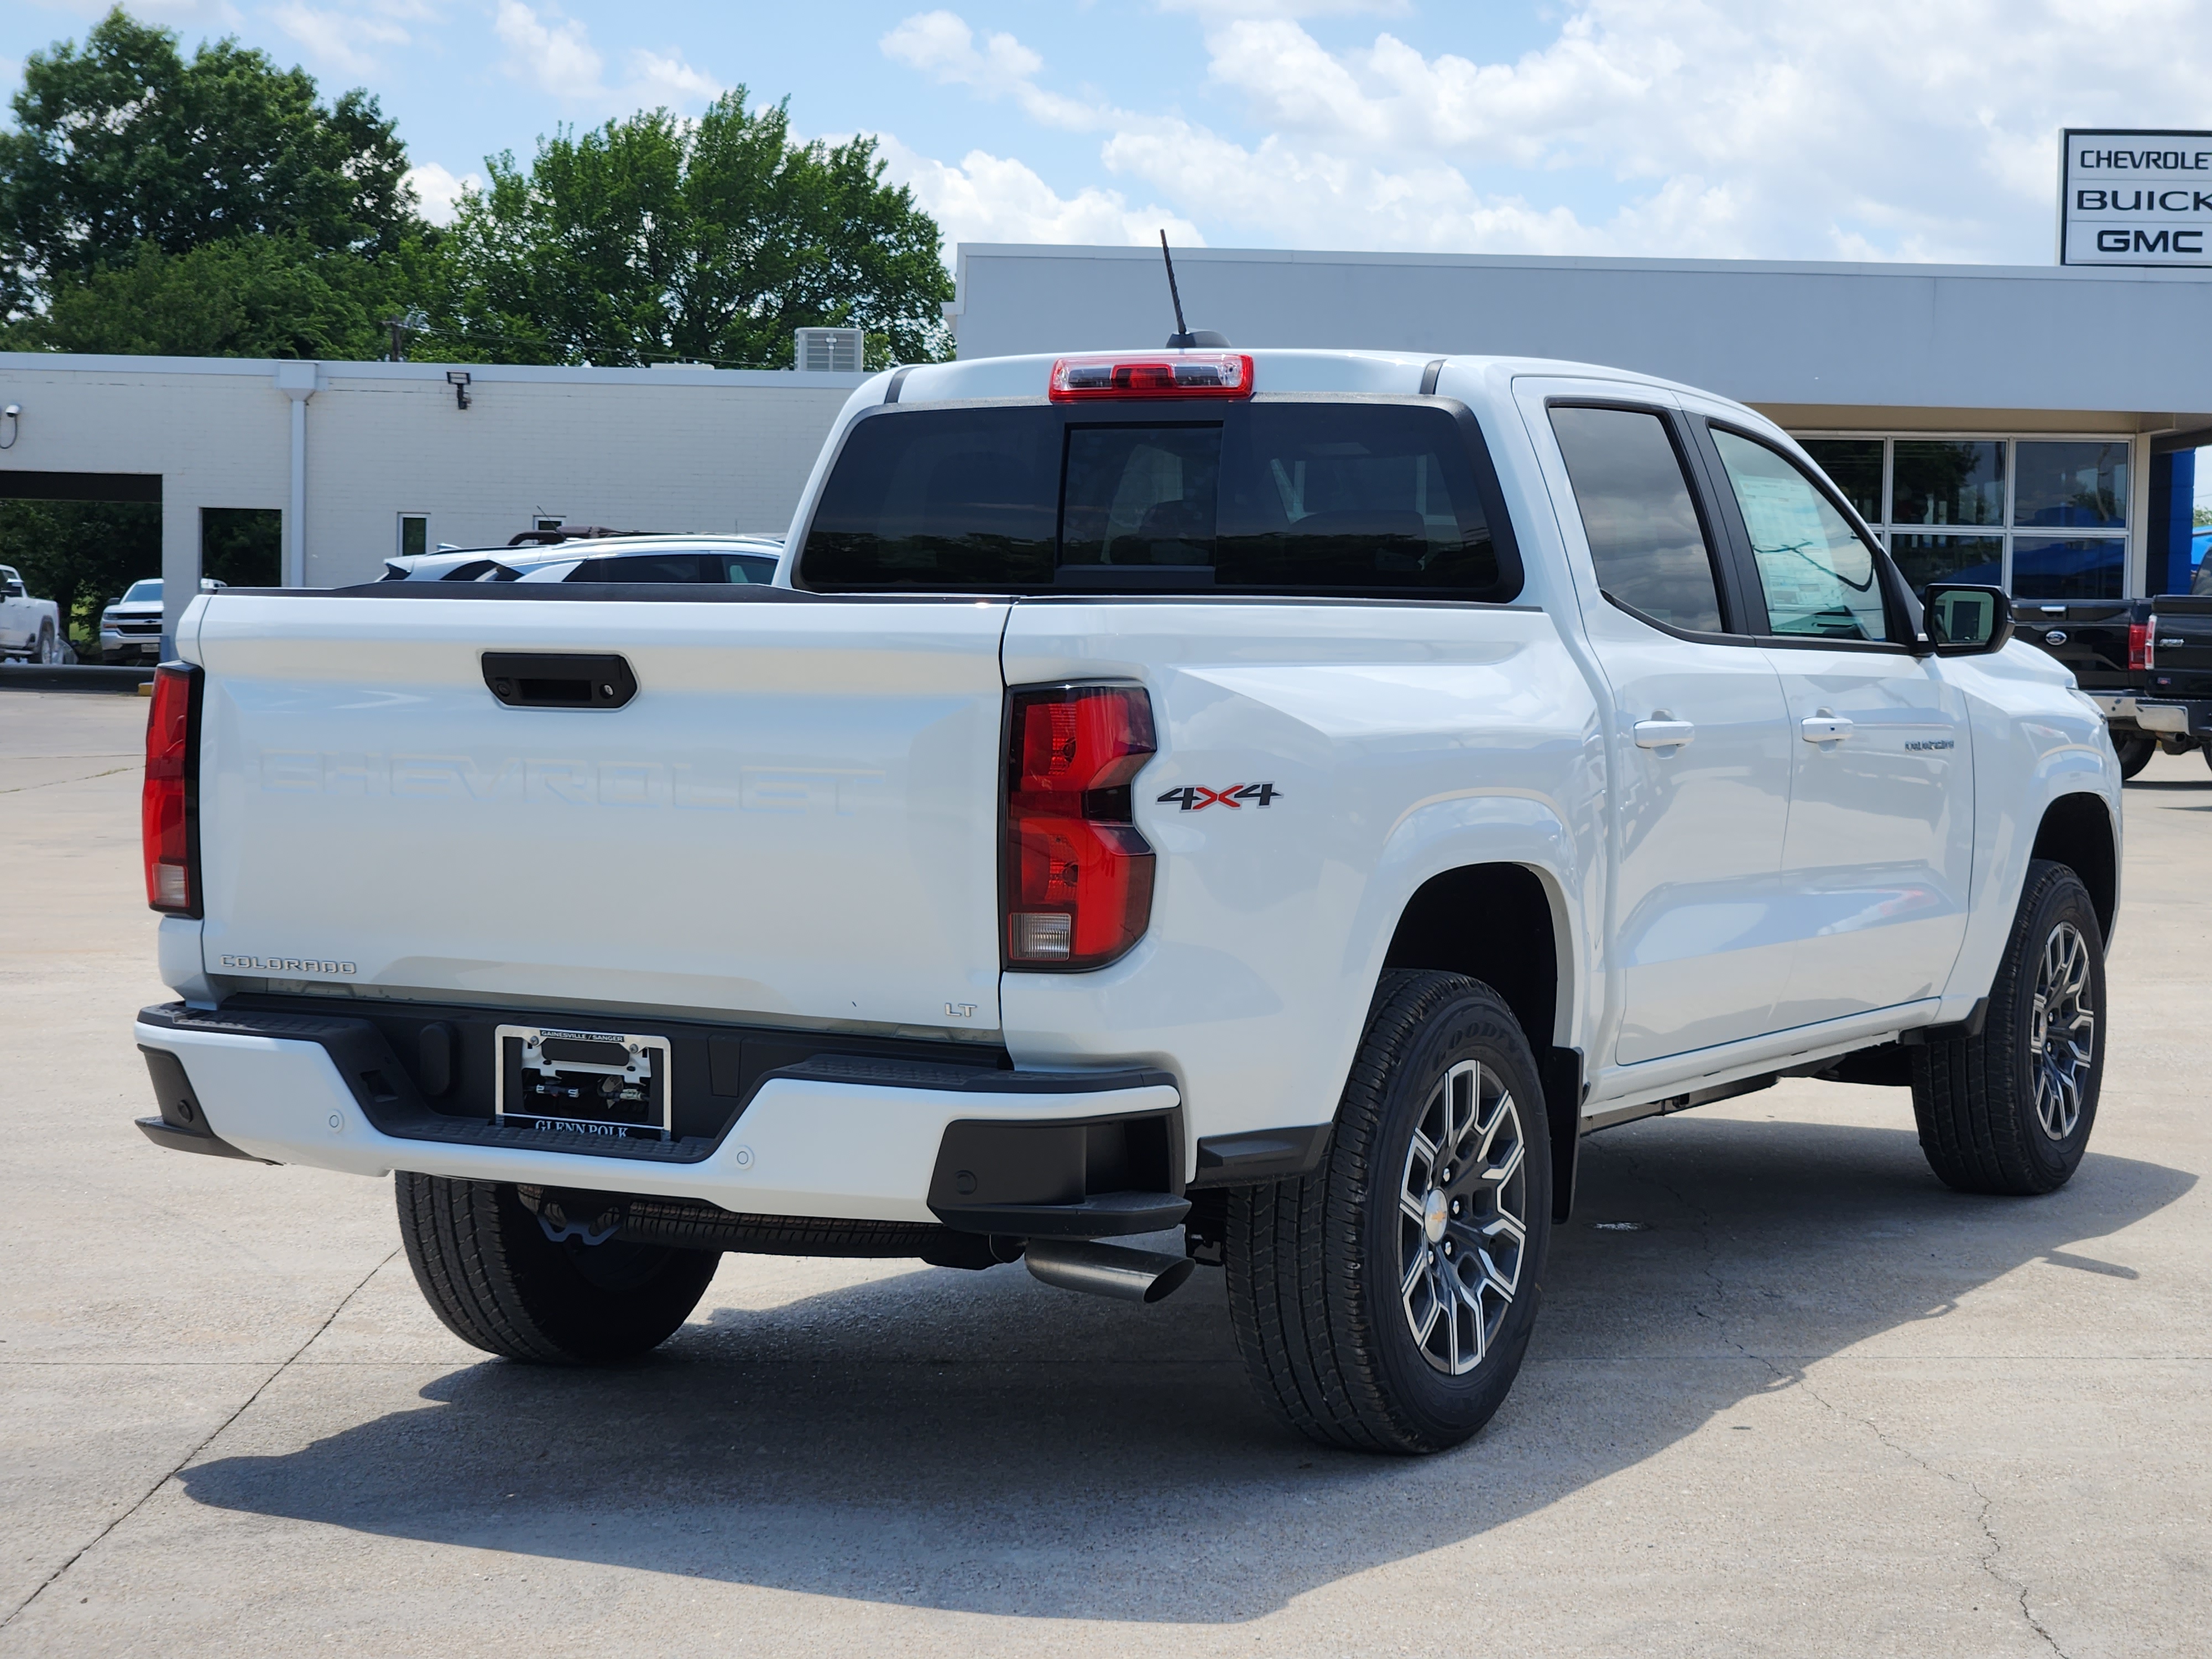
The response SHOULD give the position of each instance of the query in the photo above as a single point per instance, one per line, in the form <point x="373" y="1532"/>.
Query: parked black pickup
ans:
<point x="2147" y="662"/>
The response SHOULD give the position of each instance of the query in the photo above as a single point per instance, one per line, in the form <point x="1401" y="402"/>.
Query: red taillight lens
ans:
<point x="2139" y="645"/>
<point x="166" y="808"/>
<point x="1184" y="374"/>
<point x="1078" y="876"/>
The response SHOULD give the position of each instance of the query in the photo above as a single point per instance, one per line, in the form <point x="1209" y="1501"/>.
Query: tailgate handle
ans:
<point x="548" y="679"/>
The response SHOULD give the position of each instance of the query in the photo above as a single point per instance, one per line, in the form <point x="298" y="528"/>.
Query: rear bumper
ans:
<point x="2155" y="716"/>
<point x="816" y="1146"/>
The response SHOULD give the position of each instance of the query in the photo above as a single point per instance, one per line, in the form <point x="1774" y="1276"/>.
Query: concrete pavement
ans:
<point x="1788" y="1394"/>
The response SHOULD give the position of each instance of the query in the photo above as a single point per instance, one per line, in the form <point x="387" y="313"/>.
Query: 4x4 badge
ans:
<point x="1196" y="798"/>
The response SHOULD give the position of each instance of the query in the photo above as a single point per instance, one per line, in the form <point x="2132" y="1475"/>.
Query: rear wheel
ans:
<point x="2135" y="754"/>
<point x="496" y="1279"/>
<point x="2010" y="1111"/>
<point x="1384" y="1303"/>
<point x="48" y="652"/>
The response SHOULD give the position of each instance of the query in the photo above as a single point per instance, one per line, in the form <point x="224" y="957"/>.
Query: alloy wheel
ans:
<point x="1462" y="1217"/>
<point x="2062" y="1030"/>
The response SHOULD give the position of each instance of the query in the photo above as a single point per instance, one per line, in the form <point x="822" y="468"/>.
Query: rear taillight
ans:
<point x="2139" y="648"/>
<point x="1078" y="878"/>
<point x="1145" y="375"/>
<point x="168" y="807"/>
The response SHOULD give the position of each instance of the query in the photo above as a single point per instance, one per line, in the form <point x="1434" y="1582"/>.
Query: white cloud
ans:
<point x="941" y="44"/>
<point x="1768" y="128"/>
<point x="987" y="199"/>
<point x="440" y="192"/>
<point x="554" y="54"/>
<point x="347" y="39"/>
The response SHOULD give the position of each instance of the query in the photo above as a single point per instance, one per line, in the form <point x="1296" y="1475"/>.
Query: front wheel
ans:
<point x="2010" y="1110"/>
<point x="496" y="1279"/>
<point x="1384" y="1303"/>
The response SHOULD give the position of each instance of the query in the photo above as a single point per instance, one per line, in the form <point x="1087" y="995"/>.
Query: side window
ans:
<point x="639" y="568"/>
<point x="1820" y="578"/>
<point x="1638" y="514"/>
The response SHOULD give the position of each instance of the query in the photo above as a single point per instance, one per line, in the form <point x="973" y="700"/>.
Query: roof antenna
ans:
<point x="1183" y="339"/>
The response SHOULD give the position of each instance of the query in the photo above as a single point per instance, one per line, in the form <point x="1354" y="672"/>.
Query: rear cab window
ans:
<point x="1294" y="496"/>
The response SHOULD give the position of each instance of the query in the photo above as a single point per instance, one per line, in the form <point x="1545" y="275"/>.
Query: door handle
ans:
<point x="1663" y="734"/>
<point x="1825" y="728"/>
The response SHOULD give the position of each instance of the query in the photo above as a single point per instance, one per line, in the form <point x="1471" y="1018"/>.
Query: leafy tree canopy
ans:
<point x="258" y="297"/>
<point x="658" y="237"/>
<point x="123" y="144"/>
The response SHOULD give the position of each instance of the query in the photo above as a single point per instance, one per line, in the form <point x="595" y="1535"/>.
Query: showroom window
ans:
<point x="2043" y="518"/>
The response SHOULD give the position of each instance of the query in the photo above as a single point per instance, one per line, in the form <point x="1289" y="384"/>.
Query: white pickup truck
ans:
<point x="30" y="630"/>
<point x="1290" y="795"/>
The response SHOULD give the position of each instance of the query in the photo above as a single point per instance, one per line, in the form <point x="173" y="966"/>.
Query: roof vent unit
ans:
<point x="830" y="350"/>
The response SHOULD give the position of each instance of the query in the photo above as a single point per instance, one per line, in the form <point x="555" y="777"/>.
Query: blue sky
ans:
<point x="1785" y="129"/>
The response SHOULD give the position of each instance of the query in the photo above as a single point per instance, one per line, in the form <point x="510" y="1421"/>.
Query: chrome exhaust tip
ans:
<point x="1114" y="1270"/>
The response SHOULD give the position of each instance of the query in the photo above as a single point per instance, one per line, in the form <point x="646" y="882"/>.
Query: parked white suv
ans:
<point x="1293" y="795"/>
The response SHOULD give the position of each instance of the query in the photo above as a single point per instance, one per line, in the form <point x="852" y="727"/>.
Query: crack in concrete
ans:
<point x="187" y="1460"/>
<point x="55" y="783"/>
<point x="1986" y="1560"/>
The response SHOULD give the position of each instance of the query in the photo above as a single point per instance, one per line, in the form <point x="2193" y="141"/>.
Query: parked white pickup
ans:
<point x="30" y="630"/>
<point x="1290" y="794"/>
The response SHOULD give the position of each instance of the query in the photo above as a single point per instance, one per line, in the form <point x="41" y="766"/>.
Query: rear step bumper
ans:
<point x="1029" y="1153"/>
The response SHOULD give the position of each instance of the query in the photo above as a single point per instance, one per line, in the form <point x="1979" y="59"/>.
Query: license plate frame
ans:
<point x="598" y="1085"/>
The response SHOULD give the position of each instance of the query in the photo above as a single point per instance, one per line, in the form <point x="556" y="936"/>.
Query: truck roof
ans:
<point x="1274" y="369"/>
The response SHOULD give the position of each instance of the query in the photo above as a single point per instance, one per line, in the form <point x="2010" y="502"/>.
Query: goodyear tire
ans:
<point x="490" y="1273"/>
<point x="2010" y="1111"/>
<point x="1384" y="1303"/>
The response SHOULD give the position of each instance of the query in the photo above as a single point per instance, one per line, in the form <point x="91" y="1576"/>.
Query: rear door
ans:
<point x="1879" y="851"/>
<point x="1700" y="758"/>
<point x="790" y="819"/>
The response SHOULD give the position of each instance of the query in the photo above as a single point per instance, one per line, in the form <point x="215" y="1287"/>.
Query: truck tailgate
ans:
<point x="789" y="818"/>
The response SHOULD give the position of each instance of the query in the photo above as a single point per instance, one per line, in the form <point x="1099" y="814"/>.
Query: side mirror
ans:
<point x="15" y="590"/>
<point x="1968" y="622"/>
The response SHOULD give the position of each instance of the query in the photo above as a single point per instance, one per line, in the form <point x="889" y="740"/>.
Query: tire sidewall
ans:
<point x="1440" y="1410"/>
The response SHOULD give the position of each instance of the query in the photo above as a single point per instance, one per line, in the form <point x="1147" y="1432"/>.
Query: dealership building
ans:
<point x="2034" y="426"/>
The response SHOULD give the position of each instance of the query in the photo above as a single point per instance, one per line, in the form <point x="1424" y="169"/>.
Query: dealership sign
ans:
<point x="2135" y="197"/>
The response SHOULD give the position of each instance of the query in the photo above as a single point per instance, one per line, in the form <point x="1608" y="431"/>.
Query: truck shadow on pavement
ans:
<point x="979" y="1442"/>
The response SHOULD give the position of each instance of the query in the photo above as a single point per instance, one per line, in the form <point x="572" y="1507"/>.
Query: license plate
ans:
<point x="610" y="1085"/>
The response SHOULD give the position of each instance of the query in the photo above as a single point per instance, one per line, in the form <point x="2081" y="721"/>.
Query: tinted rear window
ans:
<point x="1285" y="498"/>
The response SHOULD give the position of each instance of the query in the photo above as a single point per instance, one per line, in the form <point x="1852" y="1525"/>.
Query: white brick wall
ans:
<point x="645" y="449"/>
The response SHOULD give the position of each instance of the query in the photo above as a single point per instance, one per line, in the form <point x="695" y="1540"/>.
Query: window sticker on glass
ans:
<point x="1818" y="576"/>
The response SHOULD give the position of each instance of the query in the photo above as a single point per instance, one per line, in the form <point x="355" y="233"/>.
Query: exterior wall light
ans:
<point x="459" y="380"/>
<point x="11" y="423"/>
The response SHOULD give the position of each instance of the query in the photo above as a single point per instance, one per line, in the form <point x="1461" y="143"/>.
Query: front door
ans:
<point x="1699" y="754"/>
<point x="1880" y="851"/>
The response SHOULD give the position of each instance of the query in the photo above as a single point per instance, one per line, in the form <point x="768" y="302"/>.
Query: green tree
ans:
<point x="243" y="297"/>
<point x="130" y="162"/>
<point x="656" y="237"/>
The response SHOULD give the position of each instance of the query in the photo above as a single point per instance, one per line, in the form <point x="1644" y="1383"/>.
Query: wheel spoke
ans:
<point x="1415" y="1267"/>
